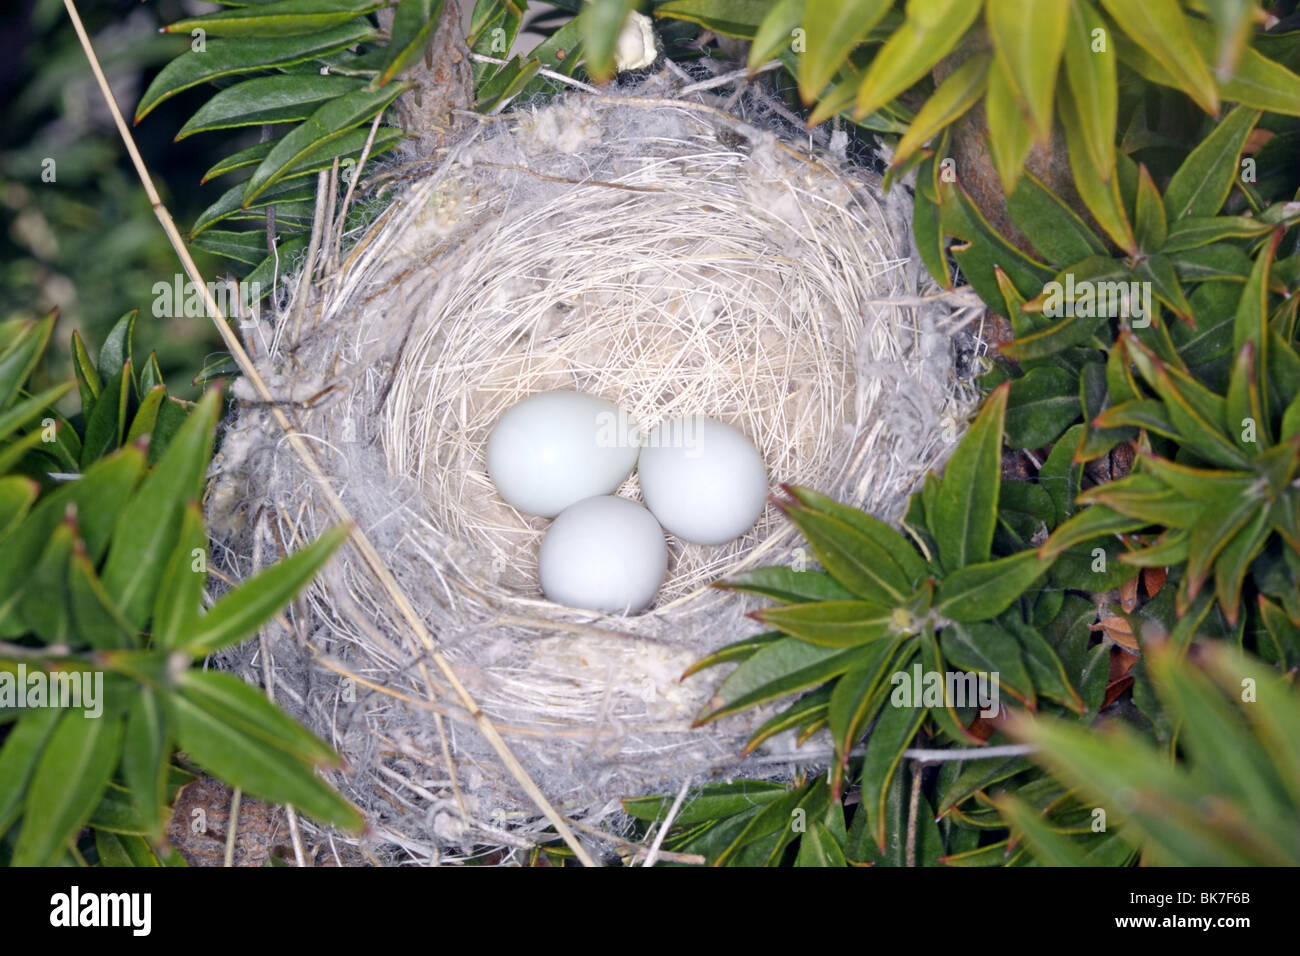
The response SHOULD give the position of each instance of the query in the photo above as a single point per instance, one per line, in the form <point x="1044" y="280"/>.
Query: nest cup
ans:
<point x="665" y="255"/>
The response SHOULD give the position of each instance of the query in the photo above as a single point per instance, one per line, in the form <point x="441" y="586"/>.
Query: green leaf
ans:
<point x="74" y="769"/>
<point x="733" y="18"/>
<point x="832" y="29"/>
<point x="782" y="668"/>
<point x="267" y="100"/>
<point x="1061" y="475"/>
<point x="1216" y="737"/>
<point x="1144" y="497"/>
<point x="1160" y="28"/>
<point x="1095" y="522"/>
<point x="1151" y="227"/>
<point x="1159" y="273"/>
<point x="1235" y="559"/>
<point x="601" y="22"/>
<point x="1216" y="262"/>
<point x="245" y="247"/>
<point x="1049" y="846"/>
<point x="27" y="410"/>
<point x="1044" y="665"/>
<point x="512" y="80"/>
<point x="1272" y="713"/>
<point x="116" y="350"/>
<point x="899" y="550"/>
<point x="1098" y="189"/>
<point x="17" y="493"/>
<point x="106" y="422"/>
<point x="96" y="619"/>
<point x="1091" y="75"/>
<point x="1010" y="135"/>
<point x="831" y="623"/>
<point x="852" y="558"/>
<point x="965" y="509"/>
<point x="276" y="19"/>
<point x="1205" y="178"/>
<point x="292" y="195"/>
<point x="247" y="709"/>
<point x="146" y="416"/>
<point x="326" y="124"/>
<point x="1257" y="81"/>
<point x="1028" y="38"/>
<point x="146" y="529"/>
<point x="414" y="25"/>
<point x="1052" y="226"/>
<point x="894" y="730"/>
<point x="145" y="754"/>
<point x="1250" y="324"/>
<point x="811" y="708"/>
<point x="180" y="590"/>
<point x="986" y="250"/>
<point x="23" y="747"/>
<point x="347" y="146"/>
<point x="957" y="94"/>
<point x="819" y="848"/>
<point x="222" y="58"/>
<point x="854" y="700"/>
<point x="124" y="849"/>
<point x="776" y="33"/>
<point x="787" y="584"/>
<point x="736" y="651"/>
<point x="713" y="802"/>
<point x="239" y="613"/>
<point x="1210" y="535"/>
<point x="204" y="731"/>
<point x="981" y="591"/>
<point x="976" y="775"/>
<point x="1041" y="405"/>
<point x="981" y="648"/>
<point x="1060" y="335"/>
<point x="1192" y="232"/>
<point x="44" y="605"/>
<point x="87" y="377"/>
<point x="20" y="360"/>
<point x="926" y="36"/>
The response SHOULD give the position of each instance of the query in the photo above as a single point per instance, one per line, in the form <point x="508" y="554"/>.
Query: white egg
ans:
<point x="556" y="448"/>
<point x="603" y="554"/>
<point x="704" y="481"/>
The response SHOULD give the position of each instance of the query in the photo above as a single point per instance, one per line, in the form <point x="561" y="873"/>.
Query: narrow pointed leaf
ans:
<point x="965" y="509"/>
<point x="1029" y="38"/>
<point x="1160" y="28"/>
<point x="323" y="126"/>
<point x="927" y="35"/>
<point x="833" y="28"/>
<point x="241" y="612"/>
<point x="277" y="18"/>
<point x="1203" y="181"/>
<point x="74" y="769"/>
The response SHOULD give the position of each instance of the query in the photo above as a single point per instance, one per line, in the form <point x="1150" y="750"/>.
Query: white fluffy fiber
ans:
<point x="660" y="254"/>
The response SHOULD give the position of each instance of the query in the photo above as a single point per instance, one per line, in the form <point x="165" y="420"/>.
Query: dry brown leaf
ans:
<point x="1153" y="579"/>
<point x="1118" y="630"/>
<point x="1128" y="594"/>
<point x="1114" y="690"/>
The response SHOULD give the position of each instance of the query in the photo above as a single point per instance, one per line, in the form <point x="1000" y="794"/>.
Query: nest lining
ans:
<point x="665" y="256"/>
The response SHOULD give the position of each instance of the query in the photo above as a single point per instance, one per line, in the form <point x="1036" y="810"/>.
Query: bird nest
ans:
<point x="662" y="254"/>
